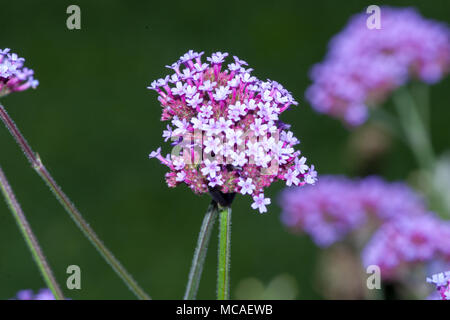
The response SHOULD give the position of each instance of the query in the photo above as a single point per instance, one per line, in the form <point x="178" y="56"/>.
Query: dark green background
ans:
<point x="93" y="122"/>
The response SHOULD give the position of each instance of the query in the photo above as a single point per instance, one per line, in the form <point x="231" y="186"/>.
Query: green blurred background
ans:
<point x="93" y="122"/>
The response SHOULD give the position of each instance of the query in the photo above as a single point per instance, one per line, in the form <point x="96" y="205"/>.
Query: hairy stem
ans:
<point x="200" y="252"/>
<point x="39" y="167"/>
<point x="30" y="238"/>
<point x="223" y="272"/>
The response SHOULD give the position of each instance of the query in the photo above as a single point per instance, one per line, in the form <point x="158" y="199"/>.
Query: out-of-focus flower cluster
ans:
<point x="13" y="75"/>
<point x="407" y="241"/>
<point x="43" y="294"/>
<point x="364" y="65"/>
<point x="442" y="283"/>
<point x="337" y="205"/>
<point x="406" y="233"/>
<point x="226" y="131"/>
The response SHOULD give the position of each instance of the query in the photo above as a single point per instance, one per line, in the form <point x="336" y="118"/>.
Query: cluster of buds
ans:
<point x="13" y="75"/>
<point x="442" y="283"/>
<point x="226" y="132"/>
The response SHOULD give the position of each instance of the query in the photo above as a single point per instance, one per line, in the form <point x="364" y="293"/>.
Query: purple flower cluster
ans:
<point x="442" y="283"/>
<point x="13" y="75"/>
<point x="43" y="294"/>
<point x="407" y="241"/>
<point x="337" y="205"/>
<point x="364" y="65"/>
<point x="226" y="131"/>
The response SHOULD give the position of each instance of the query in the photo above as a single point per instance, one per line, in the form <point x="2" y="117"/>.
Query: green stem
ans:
<point x="413" y="110"/>
<point x="39" y="167"/>
<point x="30" y="238"/>
<point x="414" y="128"/>
<point x="200" y="252"/>
<point x="223" y="274"/>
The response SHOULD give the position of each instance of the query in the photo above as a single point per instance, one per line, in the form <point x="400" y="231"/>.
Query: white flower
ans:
<point x="215" y="181"/>
<point x="178" y="163"/>
<point x="221" y="93"/>
<point x="239" y="159"/>
<point x="266" y="96"/>
<point x="212" y="128"/>
<point x="207" y="86"/>
<point x="440" y="279"/>
<point x="182" y="127"/>
<point x="213" y="144"/>
<point x="223" y="125"/>
<point x="155" y="154"/>
<point x="234" y="137"/>
<point x="291" y="177"/>
<point x="211" y="168"/>
<point x="198" y="123"/>
<point x="311" y="176"/>
<point x="300" y="165"/>
<point x="190" y="90"/>
<point x="289" y="138"/>
<point x="178" y="89"/>
<point x="167" y="134"/>
<point x="205" y="111"/>
<point x="246" y="186"/>
<point x="195" y="100"/>
<point x="217" y="57"/>
<point x="253" y="148"/>
<point x="260" y="203"/>
<point x="180" y="176"/>
<point x="252" y="104"/>
<point x="258" y="128"/>
<point x="234" y="115"/>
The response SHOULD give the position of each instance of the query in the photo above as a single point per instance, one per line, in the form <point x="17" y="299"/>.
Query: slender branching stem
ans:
<point x="30" y="238"/>
<point x="223" y="272"/>
<point x="200" y="251"/>
<point x="39" y="167"/>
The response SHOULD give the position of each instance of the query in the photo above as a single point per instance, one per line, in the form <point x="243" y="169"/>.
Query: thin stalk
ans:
<point x="421" y="94"/>
<point x="200" y="252"/>
<point x="414" y="110"/>
<point x="30" y="238"/>
<point x="223" y="272"/>
<point x="415" y="130"/>
<point x="39" y="167"/>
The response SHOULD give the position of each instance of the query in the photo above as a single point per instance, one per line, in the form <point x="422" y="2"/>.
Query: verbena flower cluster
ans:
<point x="364" y="65"/>
<point x="13" y="75"/>
<point x="442" y="283"/>
<point x="43" y="294"/>
<point x="226" y="131"/>
<point x="337" y="205"/>
<point x="407" y="241"/>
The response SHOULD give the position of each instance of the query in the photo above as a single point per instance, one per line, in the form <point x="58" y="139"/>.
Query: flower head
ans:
<point x="225" y="124"/>
<point x="13" y="75"/>
<point x="364" y="65"/>
<point x="336" y="205"/>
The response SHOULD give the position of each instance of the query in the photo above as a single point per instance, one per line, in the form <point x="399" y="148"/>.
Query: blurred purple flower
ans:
<point x="337" y="205"/>
<point x="408" y="241"/>
<point x="43" y="294"/>
<point x="364" y="65"/>
<point x="13" y="75"/>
